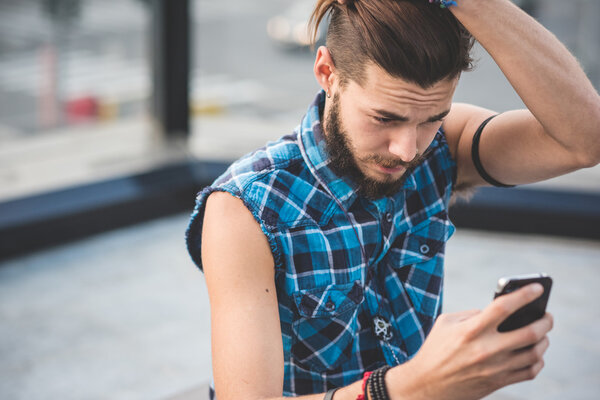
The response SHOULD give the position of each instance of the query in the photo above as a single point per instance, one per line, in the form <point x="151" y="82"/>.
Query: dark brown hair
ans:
<point x="410" y="39"/>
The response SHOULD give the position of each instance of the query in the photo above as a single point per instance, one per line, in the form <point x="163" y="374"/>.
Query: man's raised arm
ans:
<point x="559" y="132"/>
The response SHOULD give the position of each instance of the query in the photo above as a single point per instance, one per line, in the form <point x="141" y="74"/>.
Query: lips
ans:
<point x="390" y="170"/>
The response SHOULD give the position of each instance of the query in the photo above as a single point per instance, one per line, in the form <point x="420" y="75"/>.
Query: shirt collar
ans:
<point x="314" y="151"/>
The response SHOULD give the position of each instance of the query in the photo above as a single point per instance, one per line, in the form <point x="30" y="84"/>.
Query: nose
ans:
<point x="403" y="143"/>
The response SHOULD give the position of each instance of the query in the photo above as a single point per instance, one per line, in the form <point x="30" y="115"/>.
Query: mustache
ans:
<point x="392" y="162"/>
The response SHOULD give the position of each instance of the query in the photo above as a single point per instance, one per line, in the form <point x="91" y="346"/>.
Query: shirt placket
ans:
<point x="380" y="311"/>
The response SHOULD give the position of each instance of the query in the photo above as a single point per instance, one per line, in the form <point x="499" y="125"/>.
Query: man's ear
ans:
<point x="324" y="69"/>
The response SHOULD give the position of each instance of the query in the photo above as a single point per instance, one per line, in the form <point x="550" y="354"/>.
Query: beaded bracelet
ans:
<point x="376" y="384"/>
<point x="444" y="3"/>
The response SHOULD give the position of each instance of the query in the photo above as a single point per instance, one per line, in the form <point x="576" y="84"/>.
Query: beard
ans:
<point x="343" y="160"/>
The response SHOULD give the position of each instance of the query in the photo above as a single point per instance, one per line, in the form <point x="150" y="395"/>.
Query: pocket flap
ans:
<point x="423" y="242"/>
<point x="329" y="300"/>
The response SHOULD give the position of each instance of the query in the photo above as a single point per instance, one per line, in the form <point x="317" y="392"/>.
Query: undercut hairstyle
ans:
<point x="409" y="39"/>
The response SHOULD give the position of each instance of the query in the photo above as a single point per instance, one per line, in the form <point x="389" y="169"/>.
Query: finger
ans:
<point x="523" y="358"/>
<point x="525" y="374"/>
<point x="527" y="335"/>
<point x="503" y="306"/>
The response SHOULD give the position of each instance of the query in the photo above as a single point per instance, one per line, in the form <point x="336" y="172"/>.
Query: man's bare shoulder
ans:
<point x="232" y="240"/>
<point x="224" y="206"/>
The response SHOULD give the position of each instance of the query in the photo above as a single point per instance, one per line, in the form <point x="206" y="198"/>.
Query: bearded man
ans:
<point x="323" y="252"/>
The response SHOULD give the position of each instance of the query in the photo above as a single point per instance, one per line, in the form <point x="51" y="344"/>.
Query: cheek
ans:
<point x="370" y="140"/>
<point x="364" y="137"/>
<point x="426" y="136"/>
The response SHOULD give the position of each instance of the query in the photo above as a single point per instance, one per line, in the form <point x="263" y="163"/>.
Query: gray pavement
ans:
<point x="125" y="315"/>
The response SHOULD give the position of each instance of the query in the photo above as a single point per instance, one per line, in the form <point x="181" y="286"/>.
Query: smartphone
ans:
<point x="529" y="312"/>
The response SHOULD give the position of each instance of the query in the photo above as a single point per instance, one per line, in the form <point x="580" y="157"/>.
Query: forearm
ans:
<point x="546" y="76"/>
<point x="349" y="392"/>
<point x="399" y="382"/>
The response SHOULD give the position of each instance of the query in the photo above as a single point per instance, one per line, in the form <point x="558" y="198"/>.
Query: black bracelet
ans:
<point x="369" y="388"/>
<point x="373" y="385"/>
<point x="329" y="394"/>
<point x="384" y="391"/>
<point x="376" y="384"/>
<point x="380" y="388"/>
<point x="477" y="161"/>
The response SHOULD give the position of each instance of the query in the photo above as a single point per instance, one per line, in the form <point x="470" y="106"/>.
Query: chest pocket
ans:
<point x="324" y="330"/>
<point x="417" y="258"/>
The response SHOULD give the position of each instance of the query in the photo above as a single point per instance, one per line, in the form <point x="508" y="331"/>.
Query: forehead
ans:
<point x="380" y="90"/>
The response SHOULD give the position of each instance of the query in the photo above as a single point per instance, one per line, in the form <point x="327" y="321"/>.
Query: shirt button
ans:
<point x="330" y="305"/>
<point x="424" y="249"/>
<point x="389" y="217"/>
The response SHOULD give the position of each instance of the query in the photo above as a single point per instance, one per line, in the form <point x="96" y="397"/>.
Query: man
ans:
<point x="323" y="252"/>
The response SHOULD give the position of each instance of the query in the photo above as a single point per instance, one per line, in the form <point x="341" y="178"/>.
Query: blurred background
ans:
<point x="114" y="113"/>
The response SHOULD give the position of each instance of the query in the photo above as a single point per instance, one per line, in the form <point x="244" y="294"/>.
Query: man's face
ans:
<point x="376" y="133"/>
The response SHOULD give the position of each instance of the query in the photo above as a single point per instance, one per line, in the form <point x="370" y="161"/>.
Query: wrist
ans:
<point x="402" y="382"/>
<point x="474" y="7"/>
<point x="444" y="3"/>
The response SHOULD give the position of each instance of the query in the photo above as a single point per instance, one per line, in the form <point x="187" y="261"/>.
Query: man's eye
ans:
<point x="383" y="120"/>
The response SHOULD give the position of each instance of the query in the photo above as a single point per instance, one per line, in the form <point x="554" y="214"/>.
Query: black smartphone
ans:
<point x="529" y="312"/>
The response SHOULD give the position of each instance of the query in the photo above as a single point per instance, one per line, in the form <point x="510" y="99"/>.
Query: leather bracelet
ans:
<point x="376" y="384"/>
<point x="385" y="393"/>
<point x="381" y="392"/>
<point x="477" y="161"/>
<point x="329" y="394"/>
<point x="371" y="389"/>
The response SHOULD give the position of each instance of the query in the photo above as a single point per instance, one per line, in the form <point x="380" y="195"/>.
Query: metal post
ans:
<point x="171" y="59"/>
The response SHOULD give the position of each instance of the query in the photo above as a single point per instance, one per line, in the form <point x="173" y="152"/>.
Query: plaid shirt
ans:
<point x="331" y="291"/>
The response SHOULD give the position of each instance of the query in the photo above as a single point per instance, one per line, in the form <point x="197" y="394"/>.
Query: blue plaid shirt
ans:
<point x="343" y="262"/>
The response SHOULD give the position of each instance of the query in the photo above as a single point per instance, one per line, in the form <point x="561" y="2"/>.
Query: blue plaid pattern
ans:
<point x="328" y="292"/>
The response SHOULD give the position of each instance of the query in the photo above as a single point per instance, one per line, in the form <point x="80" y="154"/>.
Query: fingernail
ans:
<point x="536" y="288"/>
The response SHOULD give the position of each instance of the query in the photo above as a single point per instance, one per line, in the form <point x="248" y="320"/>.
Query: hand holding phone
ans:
<point x="529" y="312"/>
<point x="480" y="361"/>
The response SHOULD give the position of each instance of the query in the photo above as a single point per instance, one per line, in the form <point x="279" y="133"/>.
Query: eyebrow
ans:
<point x="397" y="117"/>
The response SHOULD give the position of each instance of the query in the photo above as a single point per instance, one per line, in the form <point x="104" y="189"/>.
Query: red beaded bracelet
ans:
<point x="362" y="395"/>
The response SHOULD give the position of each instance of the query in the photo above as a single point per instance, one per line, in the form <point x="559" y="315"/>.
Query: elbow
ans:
<point x="593" y="158"/>
<point x="588" y="155"/>
<point x="589" y="158"/>
<point x="594" y="162"/>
